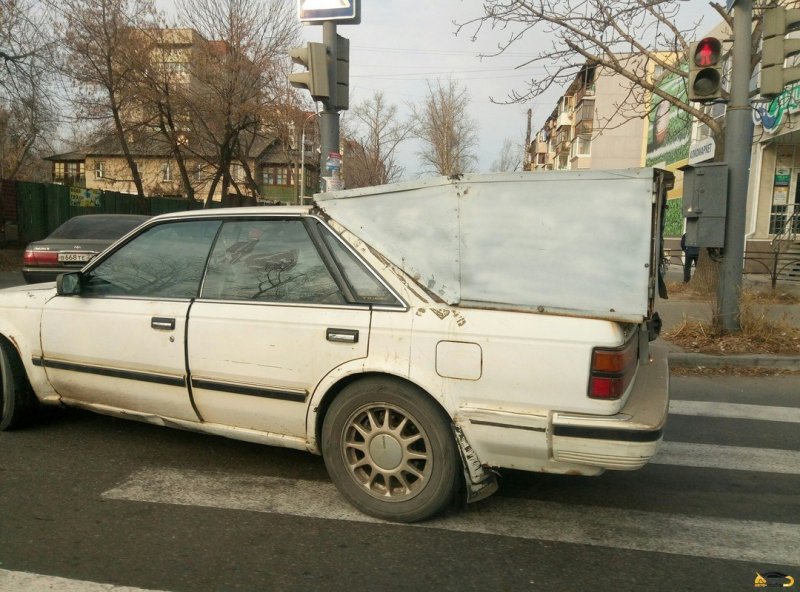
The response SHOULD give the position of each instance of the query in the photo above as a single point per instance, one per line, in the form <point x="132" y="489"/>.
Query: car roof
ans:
<point x="246" y="211"/>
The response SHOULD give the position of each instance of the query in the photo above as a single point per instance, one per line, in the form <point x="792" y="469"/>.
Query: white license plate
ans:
<point x="74" y="257"/>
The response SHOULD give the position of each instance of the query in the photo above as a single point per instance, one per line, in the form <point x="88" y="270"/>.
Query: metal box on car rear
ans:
<point x="581" y="243"/>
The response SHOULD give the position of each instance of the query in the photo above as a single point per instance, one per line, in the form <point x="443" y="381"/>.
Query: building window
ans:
<point x="583" y="139"/>
<point x="138" y="166"/>
<point x="198" y="172"/>
<point x="586" y="111"/>
<point x="99" y="169"/>
<point x="175" y="71"/>
<point x="166" y="171"/>
<point x="58" y="172"/>
<point x="277" y="175"/>
<point x="281" y="177"/>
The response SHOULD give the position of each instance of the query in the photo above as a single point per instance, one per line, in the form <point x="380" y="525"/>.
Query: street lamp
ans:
<point x="302" y="189"/>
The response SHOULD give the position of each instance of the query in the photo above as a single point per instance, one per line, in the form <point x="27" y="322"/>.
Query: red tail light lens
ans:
<point x="33" y="258"/>
<point x="613" y="369"/>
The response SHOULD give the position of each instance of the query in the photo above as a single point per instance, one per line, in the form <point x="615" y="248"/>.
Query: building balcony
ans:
<point x="566" y="119"/>
<point x="586" y="91"/>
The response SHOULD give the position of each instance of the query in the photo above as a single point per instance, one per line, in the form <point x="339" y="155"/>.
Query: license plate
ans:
<point x="74" y="257"/>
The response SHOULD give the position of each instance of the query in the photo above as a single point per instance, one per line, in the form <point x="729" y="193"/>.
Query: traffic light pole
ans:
<point x="738" y="145"/>
<point x="329" y="117"/>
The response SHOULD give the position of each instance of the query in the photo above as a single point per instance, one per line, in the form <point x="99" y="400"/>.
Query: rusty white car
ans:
<point x="420" y="336"/>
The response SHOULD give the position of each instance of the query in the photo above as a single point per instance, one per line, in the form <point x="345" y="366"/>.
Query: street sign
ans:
<point x="702" y="151"/>
<point x="343" y="12"/>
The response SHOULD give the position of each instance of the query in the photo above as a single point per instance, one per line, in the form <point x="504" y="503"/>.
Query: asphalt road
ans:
<point x="93" y="499"/>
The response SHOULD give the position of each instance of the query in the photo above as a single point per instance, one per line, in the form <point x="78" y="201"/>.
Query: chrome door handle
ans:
<point x="162" y="323"/>
<point x="342" y="335"/>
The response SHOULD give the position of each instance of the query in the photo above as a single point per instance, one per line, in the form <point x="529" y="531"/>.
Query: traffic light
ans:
<point x="775" y="48"/>
<point x="341" y="100"/>
<point x="314" y="57"/>
<point x="705" y="70"/>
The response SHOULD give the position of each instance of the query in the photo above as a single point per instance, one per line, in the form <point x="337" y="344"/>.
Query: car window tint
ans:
<point x="268" y="261"/>
<point x="364" y="284"/>
<point x="165" y="261"/>
<point x="97" y="227"/>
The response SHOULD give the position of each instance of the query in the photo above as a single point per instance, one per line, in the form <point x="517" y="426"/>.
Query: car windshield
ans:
<point x="97" y="227"/>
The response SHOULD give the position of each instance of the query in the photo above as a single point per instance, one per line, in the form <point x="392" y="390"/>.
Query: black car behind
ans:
<point x="74" y="243"/>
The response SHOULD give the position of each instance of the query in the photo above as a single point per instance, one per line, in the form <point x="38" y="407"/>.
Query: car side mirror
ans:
<point x="69" y="284"/>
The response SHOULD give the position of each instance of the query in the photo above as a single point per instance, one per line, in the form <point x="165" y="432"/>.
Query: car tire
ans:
<point x="17" y="401"/>
<point x="390" y="450"/>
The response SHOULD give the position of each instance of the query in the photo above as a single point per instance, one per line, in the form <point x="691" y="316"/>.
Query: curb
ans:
<point x="682" y="359"/>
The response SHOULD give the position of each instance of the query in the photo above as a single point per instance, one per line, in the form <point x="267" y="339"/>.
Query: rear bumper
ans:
<point x="627" y="440"/>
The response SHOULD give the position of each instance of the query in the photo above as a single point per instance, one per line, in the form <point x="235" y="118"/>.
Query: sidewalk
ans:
<point x="678" y="308"/>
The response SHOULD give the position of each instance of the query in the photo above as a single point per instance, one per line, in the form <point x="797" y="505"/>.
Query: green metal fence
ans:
<point x="42" y="207"/>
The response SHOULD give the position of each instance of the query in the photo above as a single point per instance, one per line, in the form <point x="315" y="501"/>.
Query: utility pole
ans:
<point x="327" y="76"/>
<point x="329" y="117"/>
<point x="738" y="145"/>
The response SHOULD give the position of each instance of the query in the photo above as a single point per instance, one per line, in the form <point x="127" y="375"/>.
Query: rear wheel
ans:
<point x="17" y="401"/>
<point x="390" y="450"/>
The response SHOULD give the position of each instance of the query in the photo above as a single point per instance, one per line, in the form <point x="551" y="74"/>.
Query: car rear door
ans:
<point x="272" y="321"/>
<point x="120" y="343"/>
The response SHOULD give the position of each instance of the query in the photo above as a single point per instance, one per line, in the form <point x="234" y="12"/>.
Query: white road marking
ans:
<point x="732" y="458"/>
<point x="735" y="411"/>
<point x="742" y="540"/>
<point x="19" y="581"/>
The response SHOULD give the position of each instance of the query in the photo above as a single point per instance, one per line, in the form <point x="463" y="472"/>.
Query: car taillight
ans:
<point x="31" y="257"/>
<point x="613" y="369"/>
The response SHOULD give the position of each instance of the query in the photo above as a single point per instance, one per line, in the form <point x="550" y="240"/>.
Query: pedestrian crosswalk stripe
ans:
<point x="735" y="411"/>
<point x="30" y="582"/>
<point x="746" y="540"/>
<point x="733" y="458"/>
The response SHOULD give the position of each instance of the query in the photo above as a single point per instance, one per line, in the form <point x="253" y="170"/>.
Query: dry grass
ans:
<point x="758" y="335"/>
<point x="690" y="291"/>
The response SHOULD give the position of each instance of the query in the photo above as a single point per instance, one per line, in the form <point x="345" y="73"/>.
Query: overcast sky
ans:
<point x="402" y="43"/>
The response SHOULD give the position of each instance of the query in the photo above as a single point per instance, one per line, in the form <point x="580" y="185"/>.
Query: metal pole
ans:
<point x="738" y="145"/>
<point x="329" y="117"/>
<point x="302" y="193"/>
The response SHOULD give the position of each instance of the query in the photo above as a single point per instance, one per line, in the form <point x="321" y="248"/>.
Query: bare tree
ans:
<point x="238" y="74"/>
<point x="26" y="108"/>
<point x="370" y="158"/>
<point x="105" y="52"/>
<point x="511" y="155"/>
<point x="621" y="36"/>
<point x="447" y="132"/>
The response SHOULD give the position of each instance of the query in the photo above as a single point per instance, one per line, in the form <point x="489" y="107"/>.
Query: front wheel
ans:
<point x="390" y="450"/>
<point x="17" y="401"/>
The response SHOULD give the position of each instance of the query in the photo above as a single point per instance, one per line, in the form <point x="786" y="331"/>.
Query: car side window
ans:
<point x="268" y="261"/>
<point x="165" y="261"/>
<point x="365" y="286"/>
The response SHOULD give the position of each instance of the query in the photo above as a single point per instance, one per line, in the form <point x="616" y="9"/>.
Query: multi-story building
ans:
<point x="279" y="168"/>
<point x="596" y="124"/>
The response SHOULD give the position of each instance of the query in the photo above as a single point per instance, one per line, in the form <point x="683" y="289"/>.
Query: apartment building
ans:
<point x="597" y="124"/>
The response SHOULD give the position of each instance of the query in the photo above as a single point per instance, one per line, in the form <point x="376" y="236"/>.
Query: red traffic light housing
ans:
<point x="705" y="70"/>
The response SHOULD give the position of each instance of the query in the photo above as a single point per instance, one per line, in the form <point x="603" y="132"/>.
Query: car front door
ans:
<point x="275" y="316"/>
<point x="120" y="342"/>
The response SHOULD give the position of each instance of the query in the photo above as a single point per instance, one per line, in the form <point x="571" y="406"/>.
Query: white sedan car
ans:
<point x="266" y="325"/>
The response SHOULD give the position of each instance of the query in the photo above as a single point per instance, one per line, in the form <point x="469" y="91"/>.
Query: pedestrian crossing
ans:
<point x="20" y="581"/>
<point x="499" y="516"/>
<point x="733" y="539"/>
<point x="761" y="542"/>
